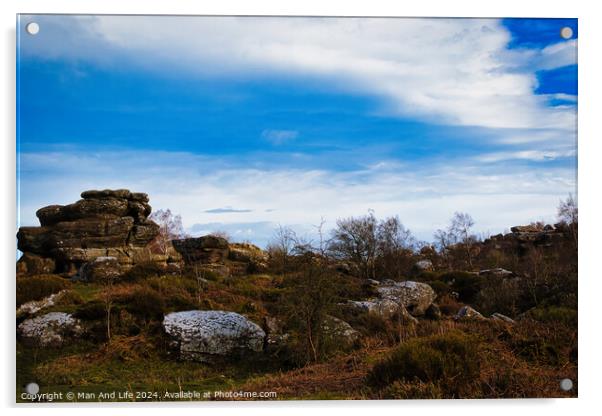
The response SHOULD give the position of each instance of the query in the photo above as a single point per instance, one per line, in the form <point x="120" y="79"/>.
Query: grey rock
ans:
<point x="203" y="335"/>
<point x="467" y="312"/>
<point x="416" y="297"/>
<point x="499" y="317"/>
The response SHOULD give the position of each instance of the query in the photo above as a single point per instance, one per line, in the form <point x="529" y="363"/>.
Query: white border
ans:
<point x="590" y="68"/>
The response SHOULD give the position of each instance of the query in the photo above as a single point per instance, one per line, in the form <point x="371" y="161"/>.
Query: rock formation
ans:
<point x="204" y="335"/>
<point x="214" y="254"/>
<point x="109" y="223"/>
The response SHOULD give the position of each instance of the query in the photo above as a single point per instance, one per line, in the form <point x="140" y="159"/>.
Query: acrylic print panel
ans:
<point x="224" y="208"/>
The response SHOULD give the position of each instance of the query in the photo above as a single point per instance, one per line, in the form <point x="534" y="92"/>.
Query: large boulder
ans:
<point x="71" y="235"/>
<point x="203" y="335"/>
<point x="384" y="308"/>
<point x="416" y="297"/>
<point x="51" y="330"/>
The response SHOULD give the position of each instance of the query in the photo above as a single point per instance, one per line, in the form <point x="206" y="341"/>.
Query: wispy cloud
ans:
<point x="227" y="210"/>
<point x="424" y="196"/>
<point x="279" y="137"/>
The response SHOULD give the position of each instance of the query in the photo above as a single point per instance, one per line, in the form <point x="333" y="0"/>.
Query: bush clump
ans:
<point x="467" y="285"/>
<point x="91" y="311"/>
<point x="144" y="302"/>
<point x="560" y="314"/>
<point x="449" y="360"/>
<point x="40" y="286"/>
<point x="142" y="271"/>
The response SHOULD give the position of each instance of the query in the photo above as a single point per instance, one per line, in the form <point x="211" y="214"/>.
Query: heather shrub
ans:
<point x="38" y="287"/>
<point x="451" y="359"/>
<point x="466" y="284"/>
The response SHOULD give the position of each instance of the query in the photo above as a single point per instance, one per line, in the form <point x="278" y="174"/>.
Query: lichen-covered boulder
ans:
<point x="203" y="335"/>
<point x="416" y="297"/>
<point x="51" y="330"/>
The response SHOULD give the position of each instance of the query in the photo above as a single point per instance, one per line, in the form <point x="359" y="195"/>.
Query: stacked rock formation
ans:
<point x="109" y="223"/>
<point x="524" y="237"/>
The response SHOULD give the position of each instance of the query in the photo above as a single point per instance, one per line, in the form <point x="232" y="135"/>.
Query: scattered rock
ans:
<point x="499" y="317"/>
<point x="201" y="335"/>
<point x="467" y="312"/>
<point x="340" y="330"/>
<point x="51" y="330"/>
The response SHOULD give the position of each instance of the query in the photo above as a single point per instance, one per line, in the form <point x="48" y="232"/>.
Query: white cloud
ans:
<point x="424" y="198"/>
<point x="449" y="71"/>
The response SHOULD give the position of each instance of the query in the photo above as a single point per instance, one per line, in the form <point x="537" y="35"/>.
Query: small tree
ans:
<point x="170" y="228"/>
<point x="461" y="228"/>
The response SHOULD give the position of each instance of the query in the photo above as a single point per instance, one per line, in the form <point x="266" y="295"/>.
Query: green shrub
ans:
<point x="440" y="288"/>
<point x="451" y="359"/>
<point x="413" y="390"/>
<point x="142" y="271"/>
<point x="560" y="314"/>
<point x="91" y="311"/>
<point x="70" y="297"/>
<point x="40" y="286"/>
<point x="144" y="302"/>
<point x="466" y="284"/>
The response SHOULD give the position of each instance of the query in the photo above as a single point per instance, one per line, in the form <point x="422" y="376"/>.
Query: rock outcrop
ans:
<point x="51" y="330"/>
<point x="214" y="254"/>
<point x="204" y="335"/>
<point x="105" y="223"/>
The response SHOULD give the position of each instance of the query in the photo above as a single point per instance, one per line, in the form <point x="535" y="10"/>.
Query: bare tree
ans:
<point x="356" y="239"/>
<point x="568" y="214"/>
<point x="461" y="227"/>
<point x="282" y="246"/>
<point x="395" y="248"/>
<point x="443" y="241"/>
<point x="170" y="228"/>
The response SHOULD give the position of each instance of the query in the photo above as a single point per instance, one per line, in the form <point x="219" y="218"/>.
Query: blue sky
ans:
<point x="241" y="124"/>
